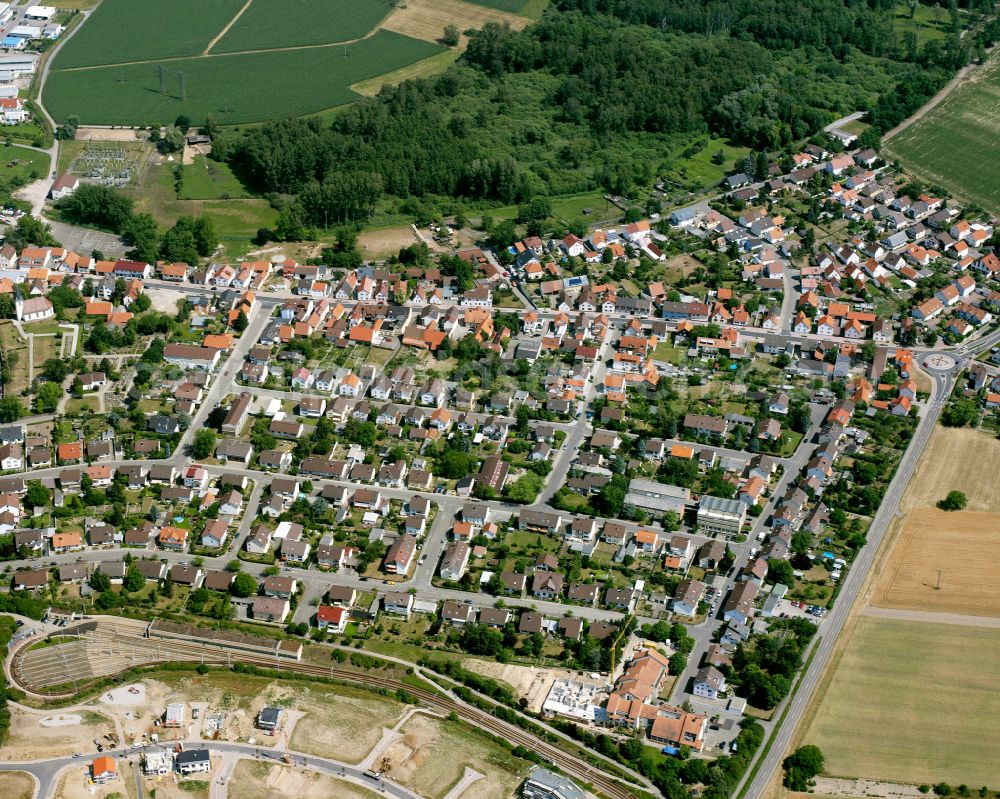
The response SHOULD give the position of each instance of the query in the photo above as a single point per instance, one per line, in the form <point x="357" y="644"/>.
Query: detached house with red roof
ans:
<point x="12" y="111"/>
<point x="332" y="618"/>
<point x="63" y="186"/>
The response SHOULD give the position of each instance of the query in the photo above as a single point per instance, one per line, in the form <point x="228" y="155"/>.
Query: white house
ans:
<point x="33" y="310"/>
<point x="193" y="761"/>
<point x="709" y="682"/>
<point x="12" y="111"/>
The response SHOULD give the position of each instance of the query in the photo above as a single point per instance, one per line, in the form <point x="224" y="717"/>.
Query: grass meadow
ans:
<point x="957" y="143"/>
<point x="21" y="162"/>
<point x="278" y="23"/>
<point x="236" y="89"/>
<point x="137" y="30"/>
<point x="206" y="179"/>
<point x="928" y="23"/>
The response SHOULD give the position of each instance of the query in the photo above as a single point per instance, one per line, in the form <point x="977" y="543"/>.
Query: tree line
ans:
<point x="188" y="240"/>
<point x="597" y="94"/>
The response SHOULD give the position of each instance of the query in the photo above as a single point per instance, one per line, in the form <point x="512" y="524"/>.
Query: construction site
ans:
<point x="412" y="744"/>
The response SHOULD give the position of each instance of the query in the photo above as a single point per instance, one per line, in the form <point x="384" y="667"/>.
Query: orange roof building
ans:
<point x="221" y="341"/>
<point x="98" y="308"/>
<point x="103" y="769"/>
<point x="62" y="541"/>
<point x="119" y="318"/>
<point x="647" y="538"/>
<point x="70" y="452"/>
<point x="173" y="537"/>
<point x="100" y="471"/>
<point x="676" y="727"/>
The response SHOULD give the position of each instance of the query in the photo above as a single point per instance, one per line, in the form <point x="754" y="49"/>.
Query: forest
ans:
<point x="597" y="95"/>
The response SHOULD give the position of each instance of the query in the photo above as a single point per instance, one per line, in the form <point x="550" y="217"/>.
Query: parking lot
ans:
<point x="84" y="241"/>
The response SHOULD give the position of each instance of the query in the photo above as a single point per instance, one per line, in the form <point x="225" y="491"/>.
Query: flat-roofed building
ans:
<point x="657" y="497"/>
<point x="721" y="516"/>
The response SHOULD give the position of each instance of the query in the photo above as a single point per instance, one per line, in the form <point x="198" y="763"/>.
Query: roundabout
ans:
<point x="940" y="362"/>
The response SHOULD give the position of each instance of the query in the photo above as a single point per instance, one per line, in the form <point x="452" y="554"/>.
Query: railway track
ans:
<point x="612" y="787"/>
<point x="606" y="784"/>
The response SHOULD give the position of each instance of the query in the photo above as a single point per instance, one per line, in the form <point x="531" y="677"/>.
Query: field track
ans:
<point x="287" y="49"/>
<point x="226" y="29"/>
<point x="952" y="140"/>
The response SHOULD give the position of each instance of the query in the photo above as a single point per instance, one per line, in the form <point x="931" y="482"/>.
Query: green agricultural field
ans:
<point x="913" y="702"/>
<point x="510" y="6"/>
<point x="235" y="88"/>
<point x="270" y="24"/>
<point x="957" y="144"/>
<point x="139" y="30"/>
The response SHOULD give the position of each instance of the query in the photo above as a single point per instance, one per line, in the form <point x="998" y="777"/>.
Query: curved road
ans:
<point x="48" y="772"/>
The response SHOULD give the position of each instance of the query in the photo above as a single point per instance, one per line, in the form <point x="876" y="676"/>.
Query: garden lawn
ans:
<point x="698" y="170"/>
<point x="278" y="23"/>
<point x="236" y="89"/>
<point x="665" y="351"/>
<point x="913" y="702"/>
<point x="138" y="30"/>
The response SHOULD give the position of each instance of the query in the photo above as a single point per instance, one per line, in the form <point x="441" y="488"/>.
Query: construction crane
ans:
<point x="614" y="647"/>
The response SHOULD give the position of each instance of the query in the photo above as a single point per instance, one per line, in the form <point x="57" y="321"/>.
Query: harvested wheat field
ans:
<point x="913" y="701"/>
<point x="432" y="756"/>
<point x="426" y="19"/>
<point x="347" y="722"/>
<point x="959" y="459"/>
<point x="16" y="785"/>
<point x="961" y="546"/>
<point x="264" y="781"/>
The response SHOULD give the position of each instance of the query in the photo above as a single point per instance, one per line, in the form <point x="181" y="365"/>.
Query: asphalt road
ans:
<point x="48" y="772"/>
<point x="834" y="620"/>
<point x="706" y="632"/>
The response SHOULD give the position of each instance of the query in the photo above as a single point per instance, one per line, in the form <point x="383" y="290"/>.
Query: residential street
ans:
<point x="942" y="385"/>
<point x="49" y="772"/>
